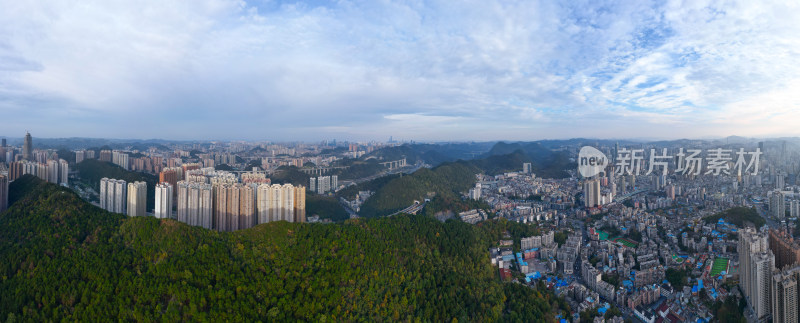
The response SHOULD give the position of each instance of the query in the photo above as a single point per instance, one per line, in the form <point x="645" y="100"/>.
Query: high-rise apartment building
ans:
<point x="11" y="155"/>
<point x="113" y="195"/>
<point x="105" y="155"/>
<point x="591" y="192"/>
<point x="27" y="147"/>
<point x="52" y="171"/>
<point x="323" y="184"/>
<point x="761" y="298"/>
<point x="780" y="181"/>
<point x="526" y="168"/>
<point x="312" y="184"/>
<point x="15" y="170"/>
<point x="120" y="159"/>
<point x="195" y="204"/>
<point x="3" y="192"/>
<point x="777" y="205"/>
<point x="137" y="198"/>
<point x="784" y="247"/>
<point x="281" y="203"/>
<point x="756" y="263"/>
<point x="248" y="205"/>
<point x="80" y="155"/>
<point x="163" y="202"/>
<point x="169" y="175"/>
<point x="784" y="296"/>
<point x="63" y="172"/>
<point x="235" y="206"/>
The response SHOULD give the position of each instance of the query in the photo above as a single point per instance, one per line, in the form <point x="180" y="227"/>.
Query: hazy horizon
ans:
<point x="399" y="140"/>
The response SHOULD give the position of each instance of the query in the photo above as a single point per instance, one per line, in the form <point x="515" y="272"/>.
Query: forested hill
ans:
<point x="446" y="180"/>
<point x="64" y="259"/>
<point x="546" y="163"/>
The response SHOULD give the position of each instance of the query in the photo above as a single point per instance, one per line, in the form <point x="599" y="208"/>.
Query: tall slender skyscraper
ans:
<point x="63" y="172"/>
<point x="137" y="198"/>
<point x="3" y="192"/>
<point x="27" y="147"/>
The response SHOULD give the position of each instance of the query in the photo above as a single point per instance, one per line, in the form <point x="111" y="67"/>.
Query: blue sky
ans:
<point x="421" y="70"/>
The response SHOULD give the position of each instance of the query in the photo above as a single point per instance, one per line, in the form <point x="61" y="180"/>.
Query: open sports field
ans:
<point x="719" y="265"/>
<point x="626" y="242"/>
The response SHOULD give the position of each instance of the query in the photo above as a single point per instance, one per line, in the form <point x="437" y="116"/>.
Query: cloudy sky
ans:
<point x="423" y="70"/>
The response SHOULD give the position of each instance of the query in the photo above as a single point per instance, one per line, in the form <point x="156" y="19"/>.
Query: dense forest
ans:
<point x="93" y="170"/>
<point x="64" y="259"/>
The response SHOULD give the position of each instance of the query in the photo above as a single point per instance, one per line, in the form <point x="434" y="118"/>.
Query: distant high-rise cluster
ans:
<point x="56" y="172"/>
<point x="230" y="206"/>
<point x="255" y="177"/>
<point x="113" y="195"/>
<point x="137" y="198"/>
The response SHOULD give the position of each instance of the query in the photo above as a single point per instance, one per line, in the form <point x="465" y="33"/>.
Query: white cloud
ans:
<point x="476" y="70"/>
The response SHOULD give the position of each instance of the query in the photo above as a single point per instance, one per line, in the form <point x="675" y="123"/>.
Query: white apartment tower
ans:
<point x="163" y="203"/>
<point x="137" y="198"/>
<point x="113" y="195"/>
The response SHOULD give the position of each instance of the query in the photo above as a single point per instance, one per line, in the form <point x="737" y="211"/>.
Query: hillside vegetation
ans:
<point x="546" y="163"/>
<point x="62" y="259"/>
<point x="445" y="180"/>
<point x="740" y="216"/>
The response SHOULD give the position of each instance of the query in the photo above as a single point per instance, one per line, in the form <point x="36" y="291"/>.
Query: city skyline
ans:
<point x="428" y="72"/>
